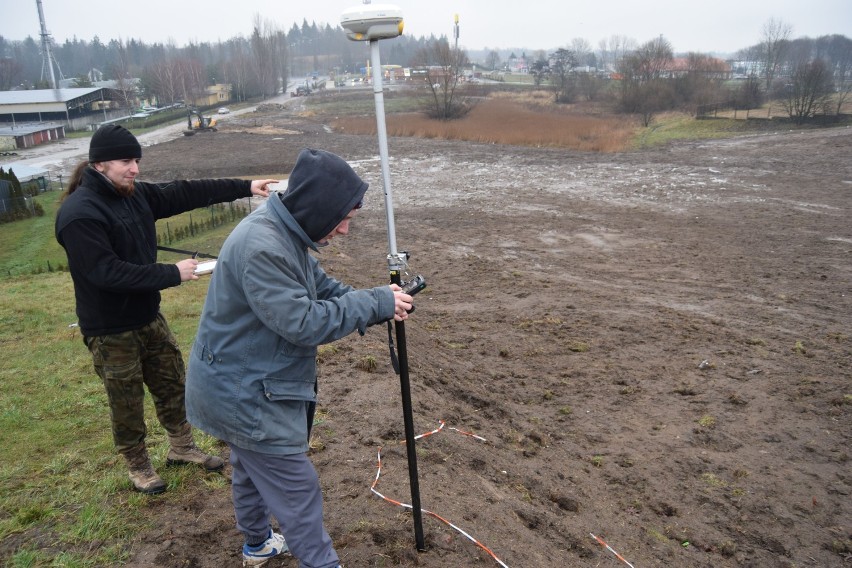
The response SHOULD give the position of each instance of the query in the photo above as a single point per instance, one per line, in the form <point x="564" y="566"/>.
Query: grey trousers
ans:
<point x="288" y="488"/>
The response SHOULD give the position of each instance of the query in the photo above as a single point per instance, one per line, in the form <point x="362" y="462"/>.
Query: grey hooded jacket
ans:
<point x="252" y="378"/>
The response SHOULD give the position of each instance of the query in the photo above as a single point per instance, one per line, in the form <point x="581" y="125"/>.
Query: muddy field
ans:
<point x="655" y="347"/>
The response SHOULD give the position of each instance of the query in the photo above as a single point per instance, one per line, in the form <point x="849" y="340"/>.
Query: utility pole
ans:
<point x="456" y="49"/>
<point x="47" y="56"/>
<point x="456" y="31"/>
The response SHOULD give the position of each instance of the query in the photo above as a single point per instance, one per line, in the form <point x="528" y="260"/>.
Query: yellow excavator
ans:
<point x="195" y="122"/>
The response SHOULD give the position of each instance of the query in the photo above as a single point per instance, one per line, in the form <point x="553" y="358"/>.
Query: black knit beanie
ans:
<point x="321" y="191"/>
<point x="113" y="142"/>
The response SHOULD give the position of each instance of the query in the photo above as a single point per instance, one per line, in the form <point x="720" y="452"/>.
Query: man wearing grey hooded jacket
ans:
<point x="252" y="379"/>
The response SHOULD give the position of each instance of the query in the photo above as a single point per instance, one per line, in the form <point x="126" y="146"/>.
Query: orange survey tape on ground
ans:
<point x="430" y="513"/>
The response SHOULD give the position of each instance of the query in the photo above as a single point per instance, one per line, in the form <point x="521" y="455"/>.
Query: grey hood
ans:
<point x="321" y="191"/>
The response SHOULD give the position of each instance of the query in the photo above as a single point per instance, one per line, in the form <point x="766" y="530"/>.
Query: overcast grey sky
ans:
<point x="714" y="26"/>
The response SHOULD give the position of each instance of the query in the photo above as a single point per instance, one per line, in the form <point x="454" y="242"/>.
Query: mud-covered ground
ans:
<point x="655" y="347"/>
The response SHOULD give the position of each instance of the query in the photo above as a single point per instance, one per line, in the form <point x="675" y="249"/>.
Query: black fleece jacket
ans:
<point x="111" y="244"/>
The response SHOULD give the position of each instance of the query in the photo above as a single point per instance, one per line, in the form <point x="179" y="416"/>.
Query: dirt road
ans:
<point x="655" y="347"/>
<point x="62" y="156"/>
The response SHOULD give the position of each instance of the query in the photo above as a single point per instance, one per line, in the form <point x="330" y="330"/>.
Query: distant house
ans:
<point x="517" y="64"/>
<point x="710" y="67"/>
<point x="214" y="96"/>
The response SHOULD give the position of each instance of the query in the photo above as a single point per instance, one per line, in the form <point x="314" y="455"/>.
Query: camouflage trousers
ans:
<point x="129" y="361"/>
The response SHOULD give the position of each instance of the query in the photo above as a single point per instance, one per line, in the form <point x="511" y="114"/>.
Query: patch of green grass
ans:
<point x="29" y="243"/>
<point x="326" y="352"/>
<point x="713" y="480"/>
<point x="367" y="363"/>
<point x="670" y="127"/>
<point x="61" y="480"/>
<point x="334" y="103"/>
<point x="673" y="126"/>
<point x="657" y="535"/>
<point x="707" y="421"/>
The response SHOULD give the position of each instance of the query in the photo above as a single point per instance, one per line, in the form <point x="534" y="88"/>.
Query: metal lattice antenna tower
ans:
<point x="47" y="61"/>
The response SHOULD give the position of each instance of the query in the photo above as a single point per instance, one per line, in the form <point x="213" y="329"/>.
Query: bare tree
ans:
<point x="645" y="89"/>
<point x="269" y="55"/>
<point x="281" y="57"/>
<point x="749" y="95"/>
<point x="191" y="76"/>
<point x="159" y="80"/>
<point x="582" y="49"/>
<point x="809" y="90"/>
<point x="562" y="63"/>
<point x="612" y="51"/>
<point x="701" y="82"/>
<point x="492" y="60"/>
<point x="237" y="70"/>
<point x="590" y="85"/>
<point x="539" y="69"/>
<point x="653" y="59"/>
<point x="776" y="35"/>
<point x="836" y="50"/>
<point x="175" y="79"/>
<point x="443" y="64"/>
<point x="121" y="74"/>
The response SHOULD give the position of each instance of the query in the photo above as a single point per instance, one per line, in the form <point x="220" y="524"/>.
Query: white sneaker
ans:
<point x="260" y="554"/>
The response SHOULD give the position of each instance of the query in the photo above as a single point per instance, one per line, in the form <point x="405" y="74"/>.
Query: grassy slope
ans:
<point x="71" y="488"/>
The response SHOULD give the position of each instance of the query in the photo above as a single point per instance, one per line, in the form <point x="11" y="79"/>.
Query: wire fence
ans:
<point x="199" y="222"/>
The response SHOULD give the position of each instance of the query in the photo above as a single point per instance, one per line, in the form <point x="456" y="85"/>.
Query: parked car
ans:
<point x="224" y="110"/>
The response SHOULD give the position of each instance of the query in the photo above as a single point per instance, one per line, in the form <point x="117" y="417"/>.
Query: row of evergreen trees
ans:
<point x="16" y="199"/>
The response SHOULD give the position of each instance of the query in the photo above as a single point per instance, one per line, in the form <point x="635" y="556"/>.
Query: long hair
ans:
<point x="76" y="179"/>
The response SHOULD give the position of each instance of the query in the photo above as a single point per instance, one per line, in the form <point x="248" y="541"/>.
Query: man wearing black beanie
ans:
<point x="106" y="224"/>
<point x="252" y="377"/>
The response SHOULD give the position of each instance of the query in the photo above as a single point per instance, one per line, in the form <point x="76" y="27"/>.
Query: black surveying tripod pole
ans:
<point x="396" y="264"/>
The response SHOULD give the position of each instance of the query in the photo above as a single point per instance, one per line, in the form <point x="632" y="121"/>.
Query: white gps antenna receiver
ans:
<point x="372" y="21"/>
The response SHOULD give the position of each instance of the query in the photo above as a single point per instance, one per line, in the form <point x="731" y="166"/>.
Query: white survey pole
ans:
<point x="373" y="23"/>
<point x="381" y="128"/>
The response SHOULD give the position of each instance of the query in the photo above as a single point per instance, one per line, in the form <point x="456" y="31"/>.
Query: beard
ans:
<point x="124" y="190"/>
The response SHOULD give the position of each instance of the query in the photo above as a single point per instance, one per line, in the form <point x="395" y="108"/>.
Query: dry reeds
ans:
<point x="504" y="121"/>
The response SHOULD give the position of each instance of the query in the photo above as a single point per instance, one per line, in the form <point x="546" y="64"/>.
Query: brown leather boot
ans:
<point x="183" y="450"/>
<point x="142" y="474"/>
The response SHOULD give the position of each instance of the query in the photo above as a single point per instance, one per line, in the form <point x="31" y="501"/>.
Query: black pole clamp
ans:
<point x="193" y="254"/>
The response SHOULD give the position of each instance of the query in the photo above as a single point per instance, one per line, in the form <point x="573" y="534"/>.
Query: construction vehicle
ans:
<point x="196" y="122"/>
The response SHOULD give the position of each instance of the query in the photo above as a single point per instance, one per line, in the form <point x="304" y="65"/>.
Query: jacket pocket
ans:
<point x="276" y="390"/>
<point x="281" y="419"/>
